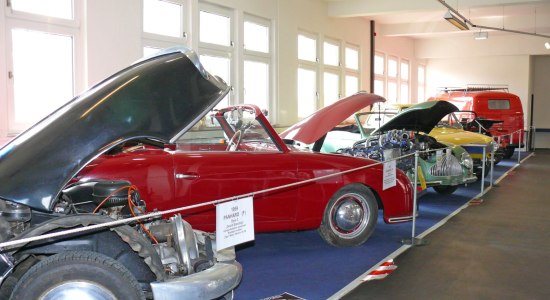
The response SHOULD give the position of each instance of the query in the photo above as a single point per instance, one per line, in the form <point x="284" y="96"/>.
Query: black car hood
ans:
<point x="422" y="117"/>
<point x="159" y="98"/>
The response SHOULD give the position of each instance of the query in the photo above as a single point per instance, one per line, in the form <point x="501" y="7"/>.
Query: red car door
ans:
<point x="203" y="176"/>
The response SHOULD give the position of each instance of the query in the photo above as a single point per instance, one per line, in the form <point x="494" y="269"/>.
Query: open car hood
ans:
<point x="159" y="98"/>
<point x="312" y="128"/>
<point x="421" y="117"/>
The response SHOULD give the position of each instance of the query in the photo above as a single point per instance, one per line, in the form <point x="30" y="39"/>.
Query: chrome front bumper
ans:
<point x="212" y="283"/>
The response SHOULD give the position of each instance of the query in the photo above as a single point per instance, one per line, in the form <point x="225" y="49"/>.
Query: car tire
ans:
<point x="509" y="152"/>
<point x="445" y="189"/>
<point x="70" y="274"/>
<point x="350" y="216"/>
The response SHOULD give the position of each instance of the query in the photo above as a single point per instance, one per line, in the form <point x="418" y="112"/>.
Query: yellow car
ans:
<point x="448" y="130"/>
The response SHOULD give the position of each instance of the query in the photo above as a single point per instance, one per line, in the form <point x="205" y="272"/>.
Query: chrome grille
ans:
<point x="449" y="166"/>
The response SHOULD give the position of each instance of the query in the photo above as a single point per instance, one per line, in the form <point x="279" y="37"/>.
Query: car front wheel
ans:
<point x="78" y="275"/>
<point x="350" y="216"/>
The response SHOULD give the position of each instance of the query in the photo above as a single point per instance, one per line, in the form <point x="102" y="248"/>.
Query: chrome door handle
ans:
<point x="187" y="176"/>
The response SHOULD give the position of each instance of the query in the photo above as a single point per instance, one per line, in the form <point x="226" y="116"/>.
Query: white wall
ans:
<point x="541" y="92"/>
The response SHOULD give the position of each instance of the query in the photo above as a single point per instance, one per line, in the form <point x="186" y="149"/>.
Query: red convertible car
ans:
<point x="235" y="151"/>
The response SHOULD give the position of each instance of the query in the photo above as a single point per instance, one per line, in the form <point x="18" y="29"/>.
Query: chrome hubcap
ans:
<point x="80" y="290"/>
<point x="349" y="215"/>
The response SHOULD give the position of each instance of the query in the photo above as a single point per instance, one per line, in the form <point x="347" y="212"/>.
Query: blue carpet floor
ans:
<point x="302" y="264"/>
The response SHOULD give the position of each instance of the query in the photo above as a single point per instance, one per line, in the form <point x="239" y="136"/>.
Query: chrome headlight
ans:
<point x="466" y="160"/>
<point x="494" y="147"/>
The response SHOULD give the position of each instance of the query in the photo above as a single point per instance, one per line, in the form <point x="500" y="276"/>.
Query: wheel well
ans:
<point x="378" y="199"/>
<point x="121" y="243"/>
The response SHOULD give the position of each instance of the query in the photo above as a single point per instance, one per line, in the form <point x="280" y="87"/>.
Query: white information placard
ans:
<point x="234" y="223"/>
<point x="390" y="174"/>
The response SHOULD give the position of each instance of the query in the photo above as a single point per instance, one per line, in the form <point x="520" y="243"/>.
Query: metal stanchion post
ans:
<point x="492" y="166"/>
<point x="483" y="172"/>
<point x="511" y="139"/>
<point x="534" y="135"/>
<point x="414" y="241"/>
<point x="519" y="148"/>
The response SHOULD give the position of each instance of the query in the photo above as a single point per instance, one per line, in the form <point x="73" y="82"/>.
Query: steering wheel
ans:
<point x="234" y="142"/>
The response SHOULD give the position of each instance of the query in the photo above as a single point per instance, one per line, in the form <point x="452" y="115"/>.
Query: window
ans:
<point x="331" y="54"/>
<point x="352" y="85"/>
<point x="52" y="83"/>
<point x="215" y="28"/>
<point x="307" y="48"/>
<point x="164" y="25"/>
<point x="404" y="81"/>
<point x="379" y="64"/>
<point x="40" y="81"/>
<point x="500" y="104"/>
<point x="352" y="58"/>
<point x="256" y="83"/>
<point x="257" y="62"/>
<point x="332" y="71"/>
<point x="307" y="74"/>
<point x="421" y="83"/>
<point x="331" y="88"/>
<point x="163" y="18"/>
<point x="392" y="78"/>
<point x="58" y="9"/>
<point x="380" y="74"/>
<point x="352" y="70"/>
<point x="256" y="37"/>
<point x="219" y="66"/>
<point x="216" y="45"/>
<point x="307" y="92"/>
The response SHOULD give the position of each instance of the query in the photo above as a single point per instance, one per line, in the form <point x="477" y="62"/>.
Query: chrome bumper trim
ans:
<point x="400" y="220"/>
<point x="212" y="283"/>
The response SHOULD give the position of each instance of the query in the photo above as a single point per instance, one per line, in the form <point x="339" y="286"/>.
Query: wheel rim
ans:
<point x="349" y="215"/>
<point x="81" y="290"/>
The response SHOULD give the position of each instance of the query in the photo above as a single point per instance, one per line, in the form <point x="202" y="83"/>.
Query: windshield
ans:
<point x="450" y="121"/>
<point x="232" y="129"/>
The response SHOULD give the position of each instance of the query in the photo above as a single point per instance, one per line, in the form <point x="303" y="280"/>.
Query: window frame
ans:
<point x="352" y="72"/>
<point x="49" y="25"/>
<point x="221" y="50"/>
<point x="262" y="57"/>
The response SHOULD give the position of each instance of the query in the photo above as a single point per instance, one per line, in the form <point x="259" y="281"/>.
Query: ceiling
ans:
<point x="424" y="18"/>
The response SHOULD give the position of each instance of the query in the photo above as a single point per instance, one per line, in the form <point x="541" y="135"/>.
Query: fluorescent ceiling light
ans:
<point x="482" y="35"/>
<point x="458" y="23"/>
<point x="547" y="45"/>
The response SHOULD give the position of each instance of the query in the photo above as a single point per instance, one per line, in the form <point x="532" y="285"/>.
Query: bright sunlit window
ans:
<point x="256" y="37"/>
<point x="38" y="91"/>
<point x="421" y="83"/>
<point x="162" y="17"/>
<point x="392" y="67"/>
<point x="307" y="92"/>
<point x="256" y="84"/>
<point x="219" y="66"/>
<point x="331" y="54"/>
<point x="352" y="85"/>
<point x="52" y="8"/>
<point x="352" y="58"/>
<point x="307" y="48"/>
<point x="331" y="90"/>
<point x="214" y="28"/>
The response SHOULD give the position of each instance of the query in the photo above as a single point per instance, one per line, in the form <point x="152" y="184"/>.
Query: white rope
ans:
<point x="179" y="209"/>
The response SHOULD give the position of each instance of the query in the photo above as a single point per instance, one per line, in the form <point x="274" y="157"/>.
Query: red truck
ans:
<point x="491" y="102"/>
